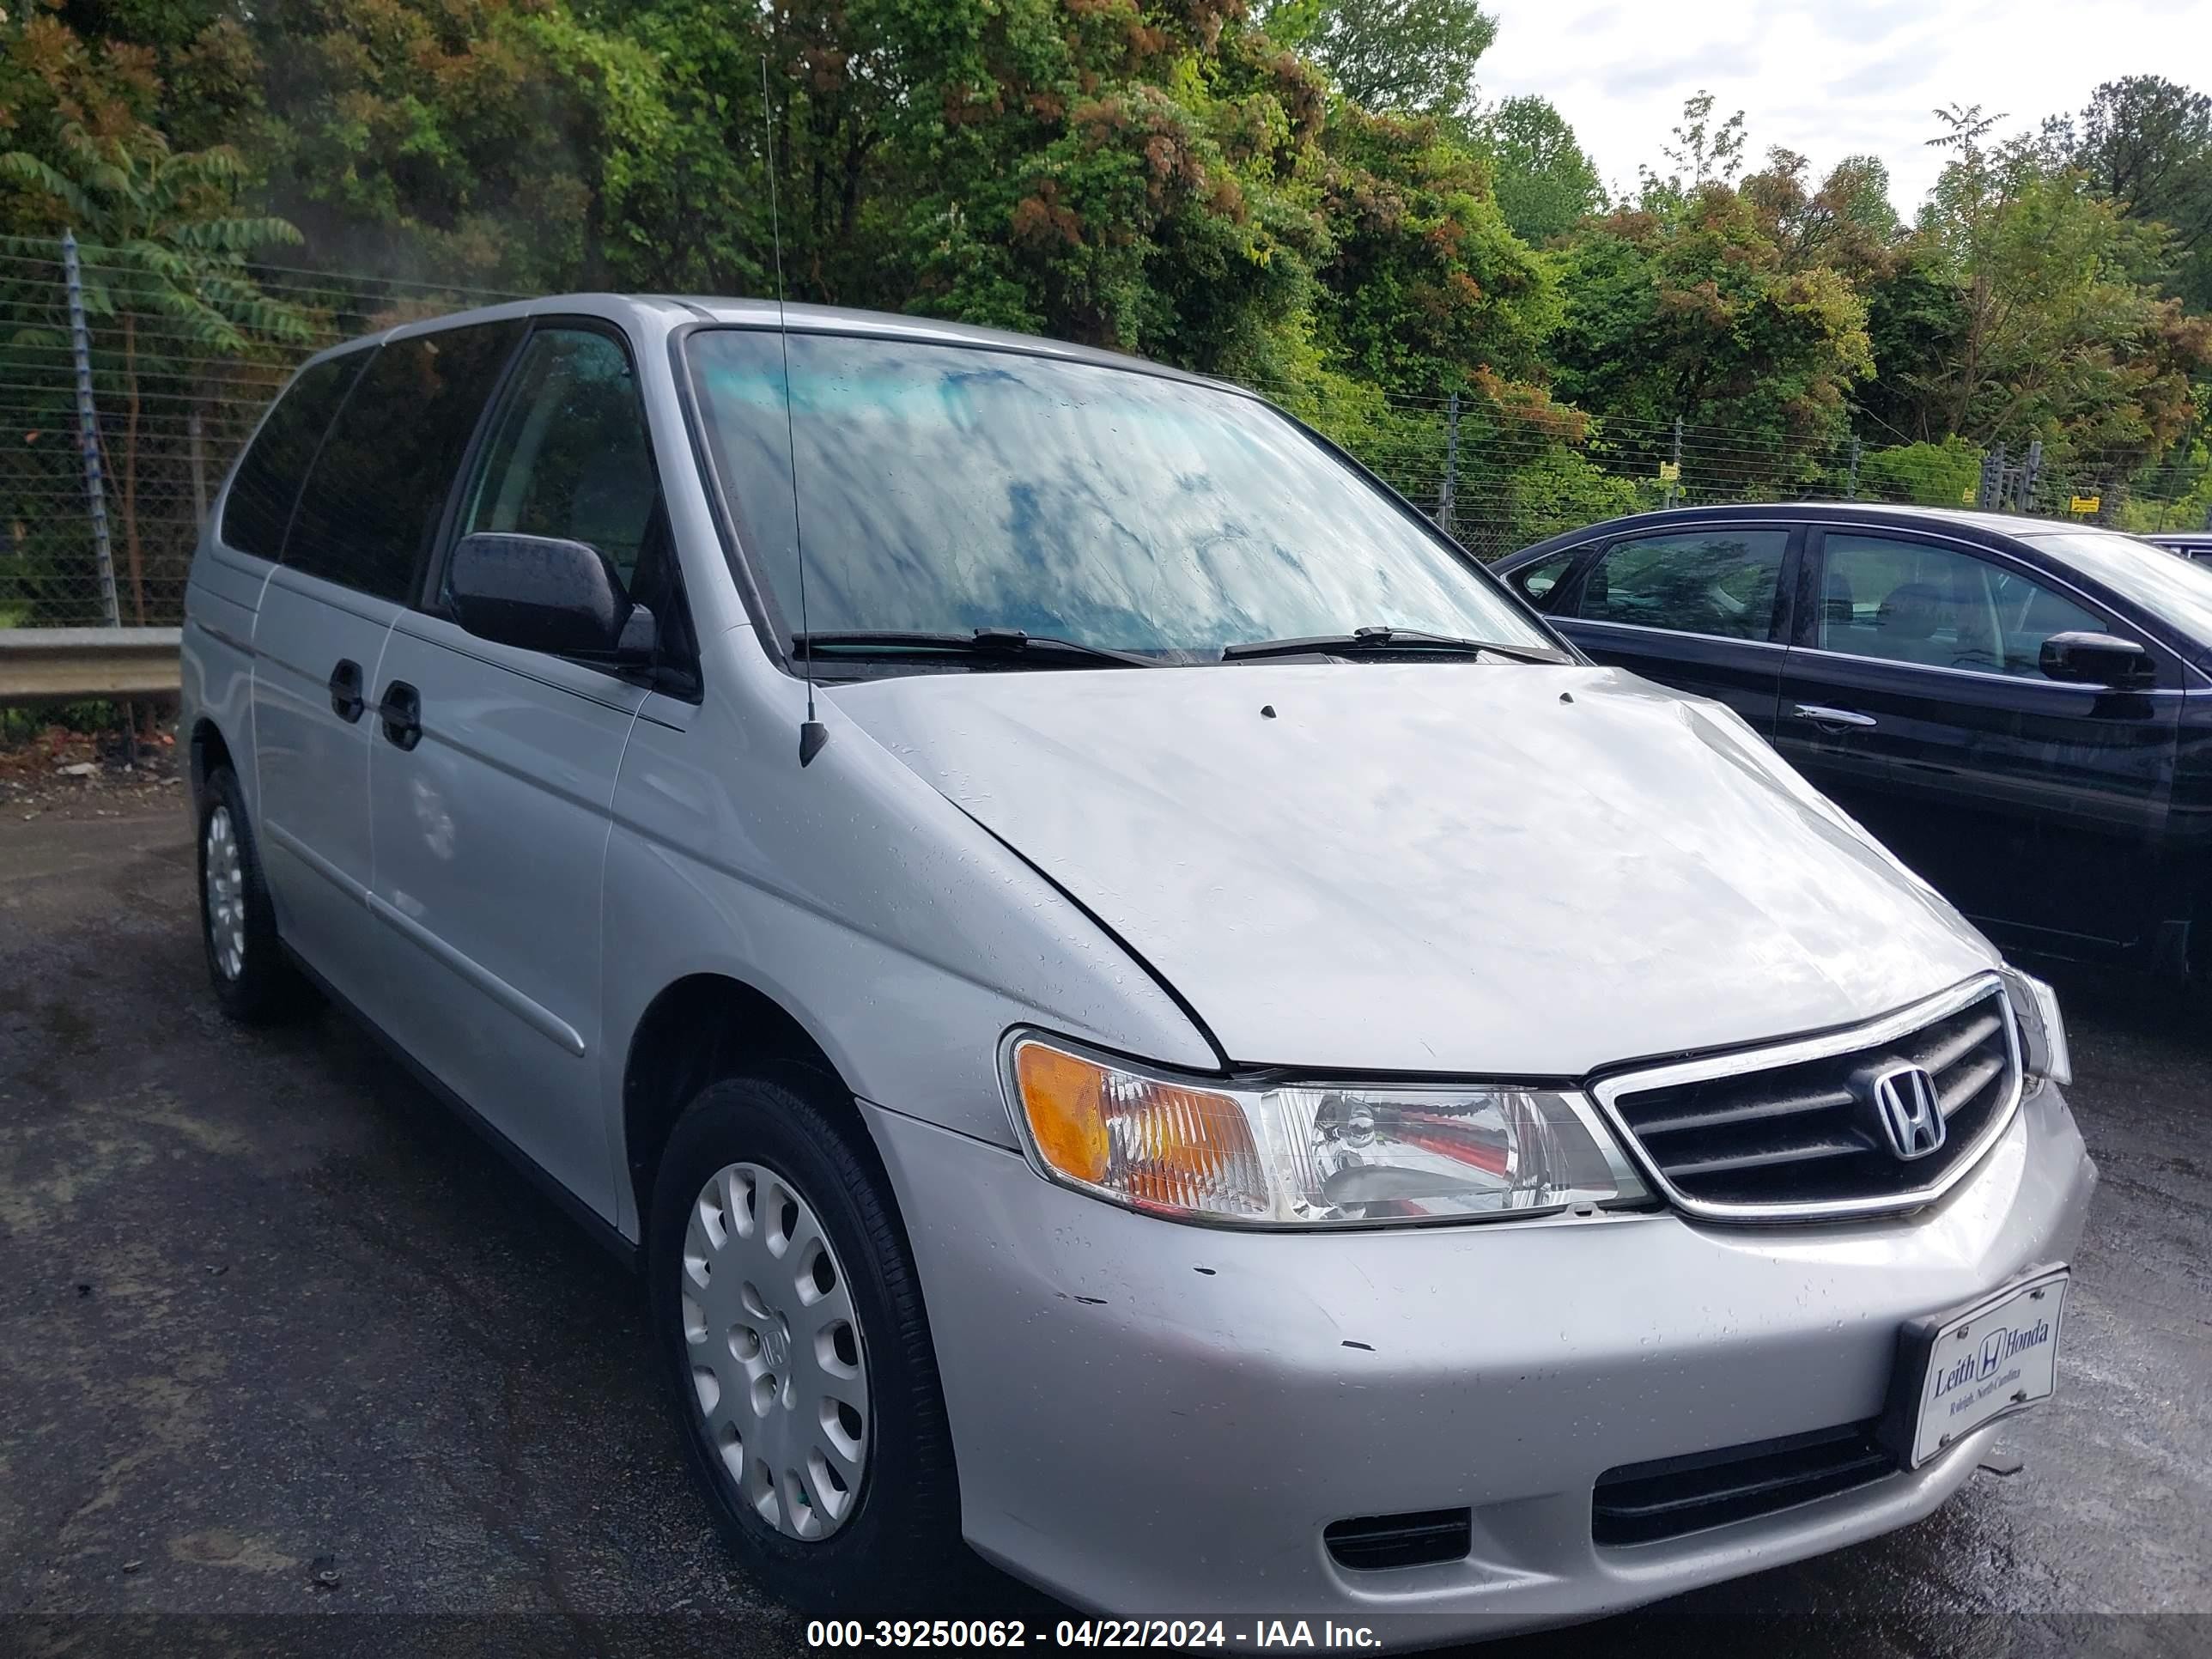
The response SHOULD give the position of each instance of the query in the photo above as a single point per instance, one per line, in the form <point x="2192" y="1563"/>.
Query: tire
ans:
<point x="893" y="1543"/>
<point x="254" y="982"/>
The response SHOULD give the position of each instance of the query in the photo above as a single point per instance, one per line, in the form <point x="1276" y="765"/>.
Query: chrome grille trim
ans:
<point x="1608" y="1090"/>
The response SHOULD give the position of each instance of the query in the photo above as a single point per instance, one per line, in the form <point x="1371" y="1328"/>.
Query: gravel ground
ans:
<point x="289" y="1362"/>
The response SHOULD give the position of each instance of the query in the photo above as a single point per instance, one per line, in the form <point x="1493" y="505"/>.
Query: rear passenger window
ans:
<point x="373" y="500"/>
<point x="1705" y="581"/>
<point x="267" y="483"/>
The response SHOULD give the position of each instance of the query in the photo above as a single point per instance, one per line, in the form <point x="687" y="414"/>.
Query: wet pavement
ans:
<point x="289" y="1359"/>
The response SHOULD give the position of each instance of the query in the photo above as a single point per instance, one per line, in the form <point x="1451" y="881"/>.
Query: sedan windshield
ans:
<point x="945" y="488"/>
<point x="2176" y="589"/>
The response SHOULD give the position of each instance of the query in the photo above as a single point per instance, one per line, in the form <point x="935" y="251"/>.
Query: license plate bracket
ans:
<point x="1963" y="1369"/>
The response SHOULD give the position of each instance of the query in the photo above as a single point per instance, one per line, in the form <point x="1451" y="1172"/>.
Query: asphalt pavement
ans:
<point x="289" y="1361"/>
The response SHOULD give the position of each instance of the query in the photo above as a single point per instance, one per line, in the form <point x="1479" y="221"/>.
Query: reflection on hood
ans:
<point x="1467" y="867"/>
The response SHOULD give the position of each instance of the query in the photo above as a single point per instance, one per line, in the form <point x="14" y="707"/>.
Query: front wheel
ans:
<point x="789" y="1315"/>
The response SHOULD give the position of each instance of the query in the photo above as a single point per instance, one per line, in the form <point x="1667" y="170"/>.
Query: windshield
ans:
<point x="2177" y="589"/>
<point x="944" y="489"/>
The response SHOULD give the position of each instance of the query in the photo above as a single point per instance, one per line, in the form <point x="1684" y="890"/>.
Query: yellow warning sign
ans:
<point x="1670" y="472"/>
<point x="2088" y="503"/>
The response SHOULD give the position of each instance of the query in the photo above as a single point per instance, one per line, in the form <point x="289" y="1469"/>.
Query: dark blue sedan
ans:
<point x="2020" y="709"/>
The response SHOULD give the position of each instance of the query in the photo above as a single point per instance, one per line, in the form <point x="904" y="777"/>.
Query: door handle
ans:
<point x="401" y="711"/>
<point x="346" y="691"/>
<point x="1820" y="716"/>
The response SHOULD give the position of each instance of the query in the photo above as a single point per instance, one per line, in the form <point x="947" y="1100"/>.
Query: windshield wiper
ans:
<point x="1383" y="641"/>
<point x="1009" y="644"/>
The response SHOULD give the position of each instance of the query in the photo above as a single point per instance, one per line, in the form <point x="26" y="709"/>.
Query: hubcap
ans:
<point x="777" y="1368"/>
<point x="226" y="894"/>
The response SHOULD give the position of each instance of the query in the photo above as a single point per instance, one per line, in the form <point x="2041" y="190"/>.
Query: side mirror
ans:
<point x="2086" y="658"/>
<point x="546" y="593"/>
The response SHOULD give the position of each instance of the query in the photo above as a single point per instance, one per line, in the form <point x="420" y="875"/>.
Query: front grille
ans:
<point x="1645" y="1503"/>
<point x="1376" y="1543"/>
<point x="1793" y="1132"/>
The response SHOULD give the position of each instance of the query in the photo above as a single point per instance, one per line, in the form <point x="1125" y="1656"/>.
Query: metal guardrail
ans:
<point x="64" y="665"/>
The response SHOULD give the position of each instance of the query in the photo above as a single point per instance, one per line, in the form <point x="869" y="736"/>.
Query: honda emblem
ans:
<point x="1904" y="1100"/>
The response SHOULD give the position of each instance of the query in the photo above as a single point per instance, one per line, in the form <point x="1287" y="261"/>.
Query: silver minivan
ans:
<point x="1131" y="1005"/>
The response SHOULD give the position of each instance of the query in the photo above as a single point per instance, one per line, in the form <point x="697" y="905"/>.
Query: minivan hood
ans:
<point x="1462" y="867"/>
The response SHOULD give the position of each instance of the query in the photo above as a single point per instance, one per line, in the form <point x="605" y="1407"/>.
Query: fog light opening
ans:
<point x="1416" y="1538"/>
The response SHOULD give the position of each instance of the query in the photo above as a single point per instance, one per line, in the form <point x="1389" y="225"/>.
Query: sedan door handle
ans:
<point x="401" y="711"/>
<point x="1821" y="716"/>
<point x="346" y="702"/>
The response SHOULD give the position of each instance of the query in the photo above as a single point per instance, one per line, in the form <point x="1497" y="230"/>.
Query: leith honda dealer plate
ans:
<point x="1960" y="1370"/>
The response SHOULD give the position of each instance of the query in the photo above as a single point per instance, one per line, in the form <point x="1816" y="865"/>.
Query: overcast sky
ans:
<point x="1830" y="80"/>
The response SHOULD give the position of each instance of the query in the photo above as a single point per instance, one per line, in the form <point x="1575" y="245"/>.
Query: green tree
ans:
<point x="1689" y="310"/>
<point x="1704" y="152"/>
<point x="1408" y="57"/>
<point x="1846" y="221"/>
<point x="2145" y="144"/>
<point x="1925" y="474"/>
<point x="1544" y="182"/>
<point x="1916" y="317"/>
<point x="462" y="139"/>
<point x="2056" y="339"/>
<point x="165" y="266"/>
<point x="1425" y="283"/>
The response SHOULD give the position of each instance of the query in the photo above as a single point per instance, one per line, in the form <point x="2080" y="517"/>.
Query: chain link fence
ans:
<point x="1499" y="480"/>
<point x="179" y="364"/>
<point x="173" y="395"/>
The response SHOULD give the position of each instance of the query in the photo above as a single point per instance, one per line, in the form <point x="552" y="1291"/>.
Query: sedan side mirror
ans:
<point x="546" y="593"/>
<point x="2084" y="658"/>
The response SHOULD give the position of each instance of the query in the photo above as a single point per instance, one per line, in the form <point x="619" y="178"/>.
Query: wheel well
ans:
<point x="208" y="751"/>
<point x="698" y="1030"/>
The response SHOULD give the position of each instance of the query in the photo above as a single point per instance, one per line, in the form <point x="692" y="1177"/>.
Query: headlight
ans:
<point x="2043" y="1049"/>
<point x="1308" y="1154"/>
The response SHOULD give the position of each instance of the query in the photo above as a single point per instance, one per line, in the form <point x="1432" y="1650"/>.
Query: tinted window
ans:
<point x="2178" y="590"/>
<point x="259" y="504"/>
<point x="1937" y="606"/>
<point x="570" y="456"/>
<point x="948" y="487"/>
<point x="1537" y="580"/>
<point x="378" y="487"/>
<point x="1705" y="581"/>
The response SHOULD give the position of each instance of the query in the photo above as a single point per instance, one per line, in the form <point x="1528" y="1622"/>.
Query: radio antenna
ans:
<point x="812" y="734"/>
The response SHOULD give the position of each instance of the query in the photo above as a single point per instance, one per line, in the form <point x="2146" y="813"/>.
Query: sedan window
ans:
<point x="1721" y="581"/>
<point x="1538" y="582"/>
<point x="1915" y="602"/>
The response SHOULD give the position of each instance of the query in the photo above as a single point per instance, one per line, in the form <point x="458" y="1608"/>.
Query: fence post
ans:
<point x="199" y="470"/>
<point x="87" y="424"/>
<point x="1852" y="483"/>
<point x="1675" y="484"/>
<point x="1449" y="488"/>
<point x="1991" y="495"/>
<point x="2026" y="499"/>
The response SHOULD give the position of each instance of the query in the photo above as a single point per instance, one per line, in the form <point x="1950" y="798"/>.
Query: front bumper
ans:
<point x="1157" y="1419"/>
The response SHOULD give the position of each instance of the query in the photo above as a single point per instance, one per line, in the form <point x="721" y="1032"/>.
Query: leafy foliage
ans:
<point x="1924" y="474"/>
<point x="1688" y="308"/>
<point x="1307" y="195"/>
<point x="1408" y="57"/>
<point x="1545" y="184"/>
<point x="164" y="265"/>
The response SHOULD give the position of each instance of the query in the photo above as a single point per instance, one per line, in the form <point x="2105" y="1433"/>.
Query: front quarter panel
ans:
<point x="904" y="937"/>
